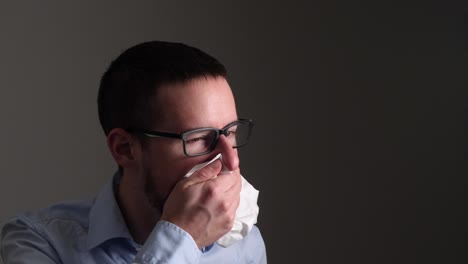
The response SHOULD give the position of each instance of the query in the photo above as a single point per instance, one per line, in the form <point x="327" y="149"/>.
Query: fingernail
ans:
<point x="226" y="171"/>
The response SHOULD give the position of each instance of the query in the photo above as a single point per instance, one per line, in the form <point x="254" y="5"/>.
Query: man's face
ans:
<point x="202" y="102"/>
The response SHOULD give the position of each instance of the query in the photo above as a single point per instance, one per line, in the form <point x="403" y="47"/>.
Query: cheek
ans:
<point x="165" y="164"/>
<point x="156" y="167"/>
<point x="164" y="167"/>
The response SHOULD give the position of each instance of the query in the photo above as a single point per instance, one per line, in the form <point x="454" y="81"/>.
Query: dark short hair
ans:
<point x="132" y="79"/>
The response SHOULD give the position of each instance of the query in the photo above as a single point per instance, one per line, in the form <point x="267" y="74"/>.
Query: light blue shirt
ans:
<point x="95" y="232"/>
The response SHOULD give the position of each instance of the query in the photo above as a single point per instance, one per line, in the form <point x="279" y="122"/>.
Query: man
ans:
<point x="164" y="108"/>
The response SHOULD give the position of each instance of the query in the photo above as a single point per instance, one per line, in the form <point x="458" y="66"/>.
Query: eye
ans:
<point x="195" y="140"/>
<point x="200" y="137"/>
<point x="231" y="132"/>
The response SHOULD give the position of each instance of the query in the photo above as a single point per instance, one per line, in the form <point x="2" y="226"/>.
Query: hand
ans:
<point x="205" y="204"/>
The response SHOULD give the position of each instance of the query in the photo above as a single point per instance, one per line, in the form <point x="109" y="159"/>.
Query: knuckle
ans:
<point x="212" y="190"/>
<point x="224" y="206"/>
<point x="231" y="218"/>
<point x="229" y="223"/>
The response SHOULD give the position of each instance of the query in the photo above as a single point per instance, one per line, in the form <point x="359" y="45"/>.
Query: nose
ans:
<point x="230" y="156"/>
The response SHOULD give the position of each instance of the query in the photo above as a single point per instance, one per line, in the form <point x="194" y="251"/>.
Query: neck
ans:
<point x="137" y="211"/>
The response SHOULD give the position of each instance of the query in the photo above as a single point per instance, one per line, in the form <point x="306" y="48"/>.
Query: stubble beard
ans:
<point x="154" y="199"/>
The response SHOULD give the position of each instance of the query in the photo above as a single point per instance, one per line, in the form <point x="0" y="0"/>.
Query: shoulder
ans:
<point x="41" y="235"/>
<point x="73" y="213"/>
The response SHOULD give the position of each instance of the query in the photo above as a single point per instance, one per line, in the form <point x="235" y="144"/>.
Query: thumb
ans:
<point x="206" y="173"/>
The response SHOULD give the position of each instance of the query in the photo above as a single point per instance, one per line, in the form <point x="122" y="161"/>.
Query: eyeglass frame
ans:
<point x="182" y="136"/>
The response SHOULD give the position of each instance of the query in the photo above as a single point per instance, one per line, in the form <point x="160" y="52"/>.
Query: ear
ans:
<point x="122" y="146"/>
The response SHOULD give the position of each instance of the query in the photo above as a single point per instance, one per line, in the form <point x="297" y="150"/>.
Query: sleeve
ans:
<point x="168" y="244"/>
<point x="21" y="243"/>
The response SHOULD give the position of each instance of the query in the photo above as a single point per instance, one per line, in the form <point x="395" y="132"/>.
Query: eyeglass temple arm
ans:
<point x="161" y="134"/>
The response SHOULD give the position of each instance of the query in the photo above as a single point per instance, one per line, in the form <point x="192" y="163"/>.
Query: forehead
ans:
<point x="201" y="102"/>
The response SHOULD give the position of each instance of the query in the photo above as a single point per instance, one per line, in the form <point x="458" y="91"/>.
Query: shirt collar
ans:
<point x="105" y="218"/>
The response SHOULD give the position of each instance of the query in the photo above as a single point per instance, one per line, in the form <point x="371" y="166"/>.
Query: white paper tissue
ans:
<point x="246" y="214"/>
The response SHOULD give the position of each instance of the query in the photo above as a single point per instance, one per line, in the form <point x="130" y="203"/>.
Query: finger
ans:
<point x="232" y="205"/>
<point x="228" y="181"/>
<point x="204" y="174"/>
<point x="232" y="193"/>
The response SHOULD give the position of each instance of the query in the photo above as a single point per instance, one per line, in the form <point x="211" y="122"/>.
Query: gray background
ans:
<point x="359" y="145"/>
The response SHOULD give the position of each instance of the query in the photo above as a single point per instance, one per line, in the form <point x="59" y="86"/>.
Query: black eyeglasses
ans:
<point x="202" y="141"/>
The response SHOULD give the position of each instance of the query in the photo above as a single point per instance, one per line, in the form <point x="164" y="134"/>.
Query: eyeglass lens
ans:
<point x="200" y="141"/>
